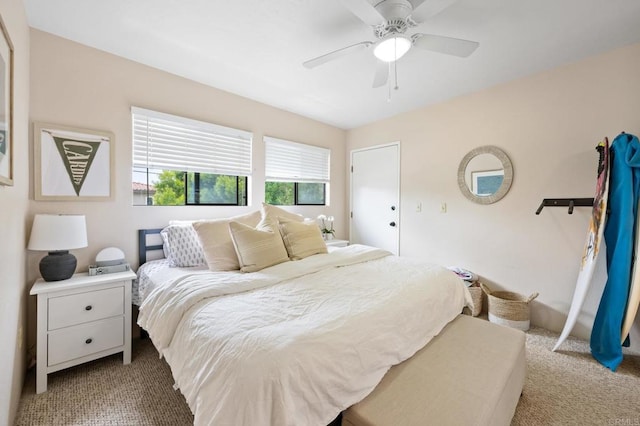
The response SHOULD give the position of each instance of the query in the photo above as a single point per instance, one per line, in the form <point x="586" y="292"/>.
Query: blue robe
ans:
<point x="624" y="188"/>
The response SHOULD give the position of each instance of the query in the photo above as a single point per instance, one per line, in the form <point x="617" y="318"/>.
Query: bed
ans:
<point x="301" y="341"/>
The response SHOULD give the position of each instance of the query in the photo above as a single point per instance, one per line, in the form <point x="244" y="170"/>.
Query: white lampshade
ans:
<point x="392" y="48"/>
<point x="52" y="232"/>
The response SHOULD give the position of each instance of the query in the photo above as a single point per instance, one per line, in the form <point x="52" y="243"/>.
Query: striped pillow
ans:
<point x="216" y="243"/>
<point x="301" y="239"/>
<point x="270" y="215"/>
<point x="257" y="249"/>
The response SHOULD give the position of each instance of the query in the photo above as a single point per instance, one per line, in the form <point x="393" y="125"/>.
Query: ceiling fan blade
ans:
<point x="446" y="45"/>
<point x="425" y="9"/>
<point x="312" y="63"/>
<point x="382" y="74"/>
<point x="365" y="11"/>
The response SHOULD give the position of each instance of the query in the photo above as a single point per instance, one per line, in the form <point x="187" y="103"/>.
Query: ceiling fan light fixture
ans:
<point x="392" y="48"/>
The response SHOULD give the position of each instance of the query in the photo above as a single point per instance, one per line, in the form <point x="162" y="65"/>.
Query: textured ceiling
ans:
<point x="255" y="48"/>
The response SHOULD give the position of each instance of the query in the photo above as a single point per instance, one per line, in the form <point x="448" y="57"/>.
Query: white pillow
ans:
<point x="182" y="246"/>
<point x="270" y="215"/>
<point x="214" y="237"/>
<point x="257" y="249"/>
<point x="301" y="239"/>
<point x="181" y="222"/>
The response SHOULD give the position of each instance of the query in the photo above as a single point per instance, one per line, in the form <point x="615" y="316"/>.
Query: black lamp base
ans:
<point x="58" y="265"/>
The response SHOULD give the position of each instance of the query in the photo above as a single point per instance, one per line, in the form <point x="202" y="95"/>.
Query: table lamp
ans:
<point x="58" y="234"/>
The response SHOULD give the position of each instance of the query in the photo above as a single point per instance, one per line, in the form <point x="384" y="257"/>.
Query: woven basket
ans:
<point x="476" y="297"/>
<point x="507" y="308"/>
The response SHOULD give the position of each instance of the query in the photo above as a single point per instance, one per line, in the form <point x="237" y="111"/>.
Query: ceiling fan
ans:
<point x="390" y="20"/>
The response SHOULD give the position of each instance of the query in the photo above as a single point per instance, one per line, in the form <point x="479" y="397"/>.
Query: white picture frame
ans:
<point x="72" y="164"/>
<point x="486" y="182"/>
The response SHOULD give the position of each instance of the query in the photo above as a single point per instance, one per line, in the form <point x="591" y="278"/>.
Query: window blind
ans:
<point x="168" y="142"/>
<point x="287" y="161"/>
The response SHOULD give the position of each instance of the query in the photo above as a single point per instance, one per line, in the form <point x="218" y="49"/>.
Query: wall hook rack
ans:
<point x="565" y="202"/>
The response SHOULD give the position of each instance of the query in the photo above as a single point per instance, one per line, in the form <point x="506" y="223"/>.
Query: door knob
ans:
<point x="392" y="224"/>
<point x="393" y="208"/>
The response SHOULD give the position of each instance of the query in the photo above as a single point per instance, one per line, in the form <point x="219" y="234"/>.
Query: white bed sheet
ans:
<point x="298" y="342"/>
<point x="153" y="273"/>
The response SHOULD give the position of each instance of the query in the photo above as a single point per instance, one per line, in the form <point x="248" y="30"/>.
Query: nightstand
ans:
<point x="337" y="243"/>
<point x="82" y="319"/>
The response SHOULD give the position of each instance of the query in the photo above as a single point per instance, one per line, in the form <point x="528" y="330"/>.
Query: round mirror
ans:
<point x="485" y="175"/>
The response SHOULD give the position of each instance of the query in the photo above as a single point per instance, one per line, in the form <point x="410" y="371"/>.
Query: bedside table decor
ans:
<point x="109" y="261"/>
<point x="81" y="319"/>
<point x="326" y="227"/>
<point x="58" y="234"/>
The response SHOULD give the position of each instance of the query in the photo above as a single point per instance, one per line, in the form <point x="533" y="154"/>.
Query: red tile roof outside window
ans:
<point x="142" y="187"/>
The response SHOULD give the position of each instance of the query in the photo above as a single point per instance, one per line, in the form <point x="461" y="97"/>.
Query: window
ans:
<point x="205" y="188"/>
<point x="179" y="161"/>
<point x="296" y="174"/>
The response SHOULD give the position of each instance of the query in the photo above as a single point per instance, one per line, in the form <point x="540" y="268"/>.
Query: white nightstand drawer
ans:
<point x="79" y="308"/>
<point x="85" y="339"/>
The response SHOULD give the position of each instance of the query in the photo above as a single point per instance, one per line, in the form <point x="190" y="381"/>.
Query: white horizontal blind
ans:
<point x="287" y="161"/>
<point x="168" y="142"/>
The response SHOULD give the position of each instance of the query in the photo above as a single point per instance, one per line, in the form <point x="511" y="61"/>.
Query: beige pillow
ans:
<point x="216" y="243"/>
<point x="257" y="249"/>
<point x="270" y="215"/>
<point x="301" y="239"/>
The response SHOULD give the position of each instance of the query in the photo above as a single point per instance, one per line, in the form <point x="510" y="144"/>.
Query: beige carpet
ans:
<point x="105" y="392"/>
<point x="564" y="388"/>
<point x="569" y="387"/>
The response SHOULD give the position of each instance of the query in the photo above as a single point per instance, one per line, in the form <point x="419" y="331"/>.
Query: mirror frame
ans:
<point x="506" y="182"/>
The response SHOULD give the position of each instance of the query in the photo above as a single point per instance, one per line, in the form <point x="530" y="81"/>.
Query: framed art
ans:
<point x="486" y="182"/>
<point x="72" y="164"/>
<point x="6" y="107"/>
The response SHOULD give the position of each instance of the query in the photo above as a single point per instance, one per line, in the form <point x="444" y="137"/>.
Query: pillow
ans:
<point x="214" y="237"/>
<point x="182" y="246"/>
<point x="301" y="239"/>
<point x="257" y="249"/>
<point x="270" y="215"/>
<point x="180" y="222"/>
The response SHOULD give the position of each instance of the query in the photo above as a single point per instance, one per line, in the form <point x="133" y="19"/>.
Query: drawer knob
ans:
<point x="89" y="340"/>
<point x="88" y="308"/>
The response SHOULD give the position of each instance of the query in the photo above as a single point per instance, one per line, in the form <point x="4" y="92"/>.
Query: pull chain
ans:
<point x="395" y="72"/>
<point x="389" y="84"/>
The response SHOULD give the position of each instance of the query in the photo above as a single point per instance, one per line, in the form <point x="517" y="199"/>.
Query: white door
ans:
<point x="375" y="197"/>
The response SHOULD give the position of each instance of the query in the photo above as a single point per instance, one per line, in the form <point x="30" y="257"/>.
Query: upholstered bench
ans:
<point x="472" y="373"/>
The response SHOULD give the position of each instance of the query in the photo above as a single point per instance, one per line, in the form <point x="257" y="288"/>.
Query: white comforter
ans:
<point x="299" y="342"/>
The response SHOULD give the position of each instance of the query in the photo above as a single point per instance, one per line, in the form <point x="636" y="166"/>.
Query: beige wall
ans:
<point x="549" y="125"/>
<point x="13" y="212"/>
<point x="79" y="86"/>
